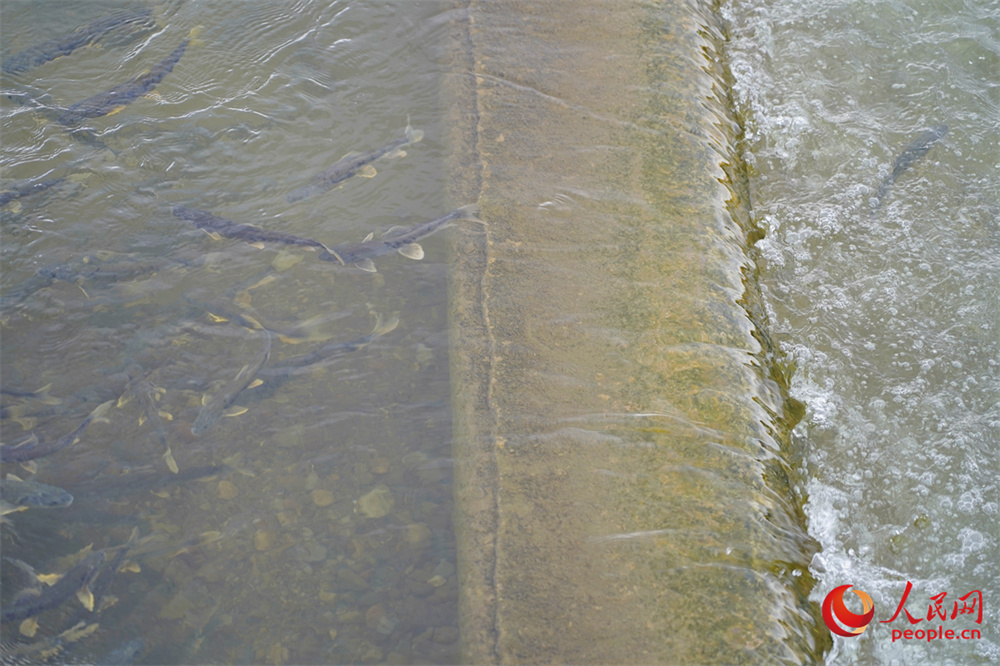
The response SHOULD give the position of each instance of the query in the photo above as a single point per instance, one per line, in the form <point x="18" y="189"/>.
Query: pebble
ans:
<point x="228" y="490"/>
<point x="322" y="498"/>
<point x="376" y="503"/>
<point x="263" y="539"/>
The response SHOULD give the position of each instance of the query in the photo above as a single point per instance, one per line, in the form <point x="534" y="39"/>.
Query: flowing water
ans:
<point x="889" y="310"/>
<point x="316" y="526"/>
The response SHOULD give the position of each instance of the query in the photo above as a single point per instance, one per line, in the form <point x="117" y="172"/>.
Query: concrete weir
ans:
<point x="621" y="431"/>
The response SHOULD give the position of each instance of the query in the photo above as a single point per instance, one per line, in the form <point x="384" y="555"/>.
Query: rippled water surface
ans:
<point x="887" y="306"/>
<point x="315" y="526"/>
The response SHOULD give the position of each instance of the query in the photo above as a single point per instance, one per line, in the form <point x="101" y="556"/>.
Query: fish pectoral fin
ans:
<point x="163" y="414"/>
<point x="396" y="154"/>
<point x="367" y="265"/>
<point x="49" y="579"/>
<point x="86" y="597"/>
<point x="258" y="245"/>
<point x="367" y="171"/>
<point x="123" y="400"/>
<point x="371" y="235"/>
<point x="213" y="235"/>
<point x="29" y="627"/>
<point x="412" y="251"/>
<point x="142" y="419"/>
<point x="204" y="399"/>
<point x="115" y="110"/>
<point x="236" y="410"/>
<point x="216" y="319"/>
<point x="255" y="383"/>
<point x="168" y="457"/>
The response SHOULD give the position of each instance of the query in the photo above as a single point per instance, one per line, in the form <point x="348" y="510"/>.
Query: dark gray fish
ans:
<point x="354" y="164"/>
<point x="27" y="189"/>
<point x="83" y="36"/>
<point x="72" y="582"/>
<point x="116" y="99"/>
<point x="35" y="448"/>
<point x="213" y="224"/>
<point x="30" y="493"/>
<point x="123" y="655"/>
<point x="398" y="239"/>
<point x="913" y="152"/>
<point x="213" y="408"/>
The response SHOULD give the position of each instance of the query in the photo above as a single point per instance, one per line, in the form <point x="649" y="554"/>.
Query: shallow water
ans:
<point x="887" y="312"/>
<point x="323" y="513"/>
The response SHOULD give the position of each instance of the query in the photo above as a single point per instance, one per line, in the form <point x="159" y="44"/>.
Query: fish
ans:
<point x="66" y="43"/>
<point x="31" y="494"/>
<point x="34" y="448"/>
<point x="117" y="98"/>
<point x="913" y="152"/>
<point x="354" y="164"/>
<point x="72" y="582"/>
<point x="27" y="189"/>
<point x="398" y="239"/>
<point x="147" y="395"/>
<point x="220" y="226"/>
<point x="214" y="407"/>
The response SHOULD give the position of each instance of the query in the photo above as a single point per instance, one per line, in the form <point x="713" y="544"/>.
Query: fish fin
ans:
<point x="349" y="155"/>
<point x="412" y="135"/>
<point x="255" y="383"/>
<point x="115" y="110"/>
<point x="412" y="251"/>
<point x="132" y="567"/>
<point x="142" y="419"/>
<point x="100" y="410"/>
<point x="31" y="466"/>
<point x="258" y="245"/>
<point x="216" y="319"/>
<point x="29" y="627"/>
<point x="396" y="154"/>
<point x="386" y="326"/>
<point x="159" y="393"/>
<point x="123" y="400"/>
<point x="371" y="235"/>
<point x="204" y="399"/>
<point x="395" y="229"/>
<point x="86" y="597"/>
<point x="213" y="235"/>
<point x="333" y="253"/>
<point x="193" y="36"/>
<point x="367" y="265"/>
<point x="11" y="477"/>
<point x="49" y="579"/>
<point x="163" y="414"/>
<point x="367" y="171"/>
<point x="236" y="410"/>
<point x="152" y="94"/>
<point x="168" y="457"/>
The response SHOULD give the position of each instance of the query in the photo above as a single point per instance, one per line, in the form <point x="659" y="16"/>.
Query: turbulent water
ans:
<point x="887" y="308"/>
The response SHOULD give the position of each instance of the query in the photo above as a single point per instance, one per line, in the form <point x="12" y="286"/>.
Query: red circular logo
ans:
<point x="833" y="607"/>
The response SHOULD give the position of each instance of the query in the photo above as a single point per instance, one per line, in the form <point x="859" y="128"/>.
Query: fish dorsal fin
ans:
<point x="367" y="171"/>
<point x="351" y="155"/>
<point x="370" y="236"/>
<point x="398" y="229"/>
<point x="367" y="265"/>
<point x="412" y="251"/>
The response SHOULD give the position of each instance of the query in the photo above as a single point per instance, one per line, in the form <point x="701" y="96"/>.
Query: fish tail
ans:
<point x="383" y="326"/>
<point x="469" y="213"/>
<point x="413" y="135"/>
<point x="192" y="37"/>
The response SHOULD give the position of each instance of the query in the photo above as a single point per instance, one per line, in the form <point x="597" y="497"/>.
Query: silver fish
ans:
<point x="354" y="164"/>
<point x="398" y="239"/>
<point x="35" y="448"/>
<point x="213" y="408"/>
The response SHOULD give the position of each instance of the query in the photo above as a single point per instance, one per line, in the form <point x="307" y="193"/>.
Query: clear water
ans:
<point x="890" y="316"/>
<point x="315" y="527"/>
